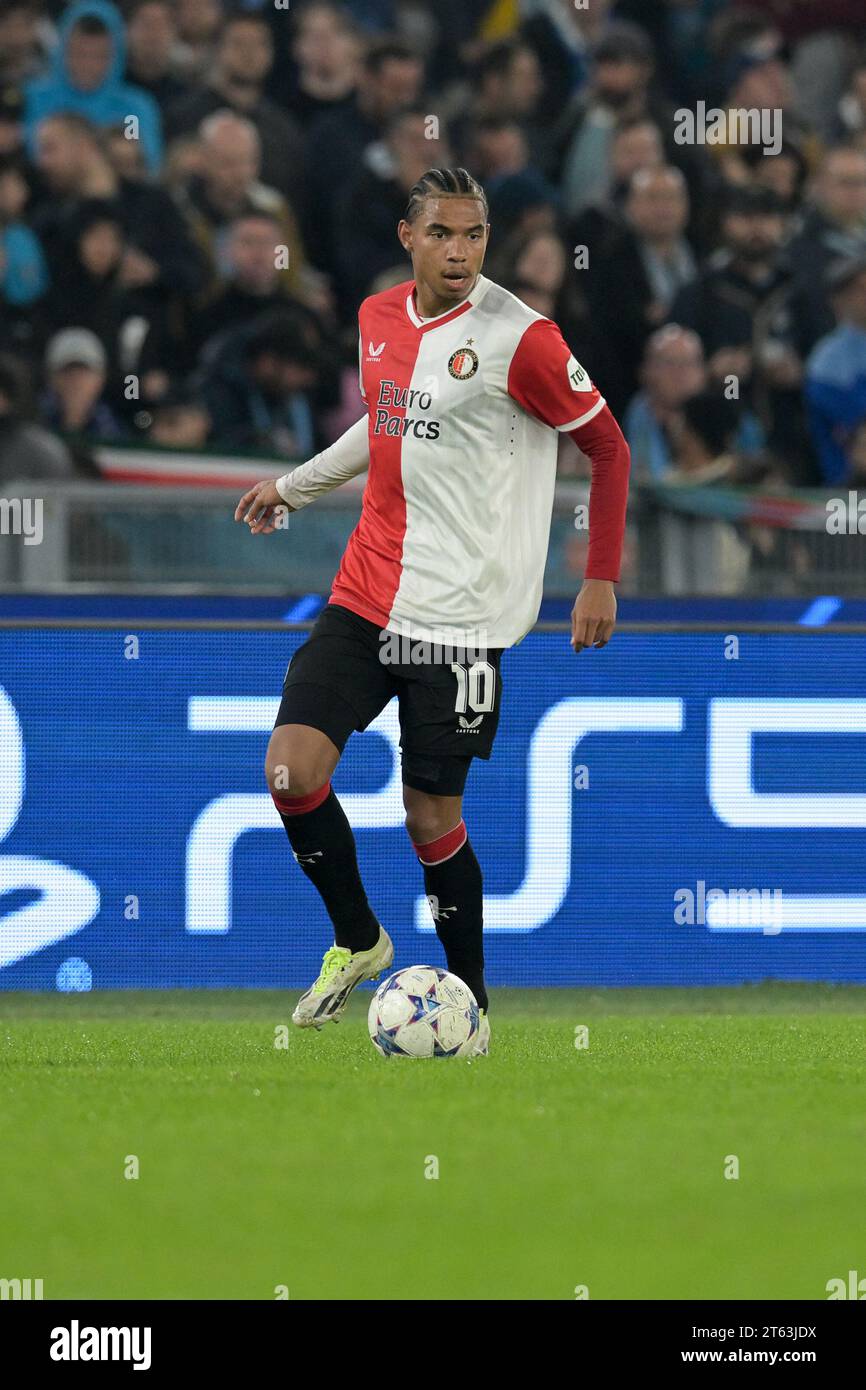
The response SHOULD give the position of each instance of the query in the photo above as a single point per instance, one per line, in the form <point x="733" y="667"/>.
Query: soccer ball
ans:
<point x="423" y="1012"/>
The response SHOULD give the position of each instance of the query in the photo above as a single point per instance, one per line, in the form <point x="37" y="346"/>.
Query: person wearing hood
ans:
<point x="87" y="78"/>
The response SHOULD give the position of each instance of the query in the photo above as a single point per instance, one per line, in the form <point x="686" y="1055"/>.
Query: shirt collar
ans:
<point x="480" y="288"/>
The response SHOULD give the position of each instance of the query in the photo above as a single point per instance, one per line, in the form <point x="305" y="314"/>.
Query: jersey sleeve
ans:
<point x="361" y="367"/>
<point x="344" y="459"/>
<point x="546" y="379"/>
<point x="603" y="443"/>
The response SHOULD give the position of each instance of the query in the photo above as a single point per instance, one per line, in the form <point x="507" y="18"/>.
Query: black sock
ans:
<point x="455" y="893"/>
<point x="324" y="846"/>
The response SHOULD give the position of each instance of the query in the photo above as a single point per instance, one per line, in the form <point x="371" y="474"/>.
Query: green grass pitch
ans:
<point x="558" y="1167"/>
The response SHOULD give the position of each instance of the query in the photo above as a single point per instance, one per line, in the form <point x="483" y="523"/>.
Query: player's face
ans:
<point x="447" y="243"/>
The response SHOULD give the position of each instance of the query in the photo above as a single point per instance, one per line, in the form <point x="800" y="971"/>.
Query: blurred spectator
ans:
<point x="539" y="260"/>
<point x="87" y="291"/>
<point x="286" y="175"/>
<point x="706" y="452"/>
<point x="694" y="46"/>
<point x="851" y="117"/>
<point x="124" y="155"/>
<point x="636" y="145"/>
<point x="151" y="41"/>
<point x="534" y="296"/>
<point x="180" y="420"/>
<point x="673" y="372"/>
<point x="160" y="262"/>
<point x="27" y="450"/>
<point x="506" y="83"/>
<point x="73" y="402"/>
<point x="705" y="443"/>
<point x="87" y="78"/>
<point x="633" y="278"/>
<point x="621" y="90"/>
<point x="741" y="308"/>
<point x="242" y="61"/>
<point x="656" y="211"/>
<point x="23" y="273"/>
<point x="520" y="197"/>
<point x="836" y="376"/>
<point x="22" y="52"/>
<point x="327" y="49"/>
<point x="251" y="282"/>
<point x="522" y="202"/>
<point x="785" y="173"/>
<point x="618" y="90"/>
<point x="498" y="148"/>
<point x="561" y="35"/>
<point x="535" y="266"/>
<point x="762" y="84"/>
<point x="11" y="121"/>
<point x="227" y="185"/>
<point x="373" y="15"/>
<point x="390" y="79"/>
<point x="820" y="34"/>
<point x="198" y="28"/>
<point x="367" y="217"/>
<point x="263" y="384"/>
<point x="834" y="229"/>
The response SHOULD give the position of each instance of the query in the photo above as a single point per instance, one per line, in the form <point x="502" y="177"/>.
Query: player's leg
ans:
<point x="449" y="712"/>
<point x="452" y="875"/>
<point x="334" y="684"/>
<point x="300" y="762"/>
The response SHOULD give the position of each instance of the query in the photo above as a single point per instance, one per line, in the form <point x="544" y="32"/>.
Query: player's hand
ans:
<point x="593" y="616"/>
<point x="258" y="508"/>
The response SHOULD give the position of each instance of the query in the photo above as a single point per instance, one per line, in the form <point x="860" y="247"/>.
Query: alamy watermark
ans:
<point x="729" y="907"/>
<point x="401" y="649"/>
<point x="736" y="125"/>
<point x="22" y="516"/>
<point x="21" y="1289"/>
<point x="846" y="516"/>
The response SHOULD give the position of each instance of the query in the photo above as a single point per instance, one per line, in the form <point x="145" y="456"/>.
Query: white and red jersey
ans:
<point x="463" y="416"/>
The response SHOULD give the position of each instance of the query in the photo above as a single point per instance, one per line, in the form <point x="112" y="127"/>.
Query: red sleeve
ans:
<point x="602" y="440"/>
<point x="550" y="384"/>
<point x="548" y="381"/>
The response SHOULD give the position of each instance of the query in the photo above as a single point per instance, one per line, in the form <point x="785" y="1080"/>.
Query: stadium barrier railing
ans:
<point x="163" y="521"/>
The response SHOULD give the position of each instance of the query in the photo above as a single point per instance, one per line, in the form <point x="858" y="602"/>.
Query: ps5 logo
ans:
<point x="550" y="802"/>
<point x="68" y="900"/>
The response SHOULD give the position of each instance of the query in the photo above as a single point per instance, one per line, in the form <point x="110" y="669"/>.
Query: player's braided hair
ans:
<point x="444" y="183"/>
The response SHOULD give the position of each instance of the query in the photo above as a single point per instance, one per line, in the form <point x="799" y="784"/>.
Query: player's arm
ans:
<point x="344" y="459"/>
<point x="550" y="384"/>
<point x="594" y="613"/>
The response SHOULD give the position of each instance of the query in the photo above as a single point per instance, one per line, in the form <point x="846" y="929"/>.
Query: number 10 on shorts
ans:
<point x="476" y="687"/>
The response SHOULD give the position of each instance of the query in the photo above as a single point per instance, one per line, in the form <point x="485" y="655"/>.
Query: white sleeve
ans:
<point x="345" y="458"/>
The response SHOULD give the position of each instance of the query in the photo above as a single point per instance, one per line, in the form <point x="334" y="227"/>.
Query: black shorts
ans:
<point x="337" y="681"/>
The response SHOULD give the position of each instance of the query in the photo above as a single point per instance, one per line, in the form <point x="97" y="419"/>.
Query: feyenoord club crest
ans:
<point x="463" y="363"/>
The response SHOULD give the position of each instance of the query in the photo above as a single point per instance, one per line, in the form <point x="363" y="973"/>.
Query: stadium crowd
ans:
<point x="195" y="198"/>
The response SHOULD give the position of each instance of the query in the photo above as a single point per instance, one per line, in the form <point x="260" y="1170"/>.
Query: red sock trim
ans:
<point x="435" y="851"/>
<point x="298" y="805"/>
